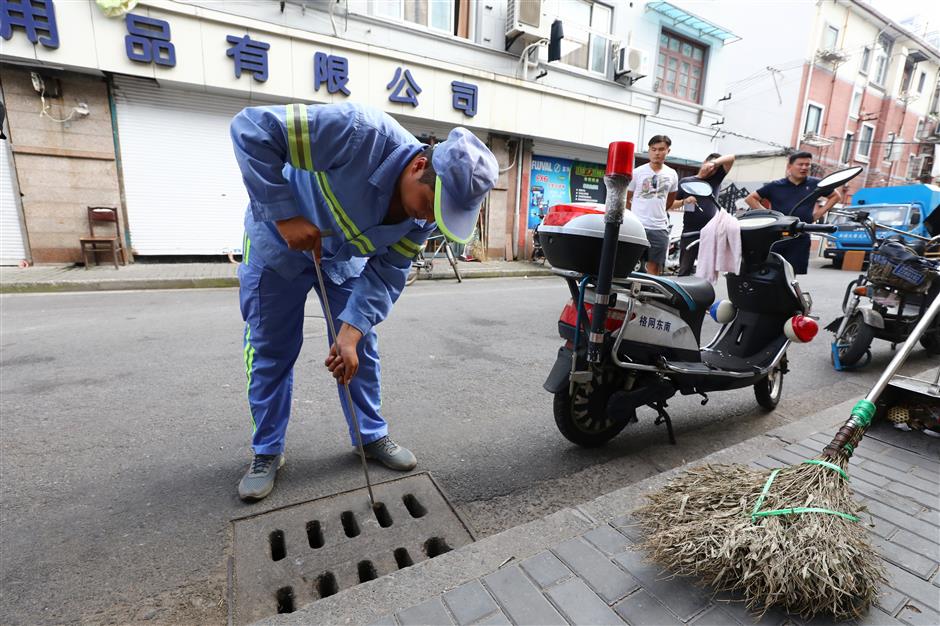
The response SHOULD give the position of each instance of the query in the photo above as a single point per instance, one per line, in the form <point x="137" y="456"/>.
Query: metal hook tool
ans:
<point x="349" y="400"/>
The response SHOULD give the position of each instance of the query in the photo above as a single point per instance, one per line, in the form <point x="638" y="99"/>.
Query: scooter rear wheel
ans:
<point x="583" y="419"/>
<point x="769" y="389"/>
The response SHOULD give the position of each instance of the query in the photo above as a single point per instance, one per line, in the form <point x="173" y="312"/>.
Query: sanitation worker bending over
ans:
<point x="348" y="184"/>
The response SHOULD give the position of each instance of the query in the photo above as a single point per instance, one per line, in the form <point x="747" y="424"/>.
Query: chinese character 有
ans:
<point x="249" y="56"/>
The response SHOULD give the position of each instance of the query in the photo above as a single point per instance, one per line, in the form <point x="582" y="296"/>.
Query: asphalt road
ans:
<point x="124" y="432"/>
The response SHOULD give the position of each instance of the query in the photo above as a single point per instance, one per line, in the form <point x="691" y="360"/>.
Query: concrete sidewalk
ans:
<point x="580" y="565"/>
<point x="150" y="275"/>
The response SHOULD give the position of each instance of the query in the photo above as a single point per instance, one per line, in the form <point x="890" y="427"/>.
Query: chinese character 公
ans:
<point x="332" y="70"/>
<point x="249" y="55"/>
<point x="404" y="80"/>
<point x="36" y="17"/>
<point x="149" y="41"/>
<point x="465" y="97"/>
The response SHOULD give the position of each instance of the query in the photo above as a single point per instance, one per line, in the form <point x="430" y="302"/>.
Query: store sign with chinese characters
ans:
<point x="560" y="181"/>
<point x="149" y="40"/>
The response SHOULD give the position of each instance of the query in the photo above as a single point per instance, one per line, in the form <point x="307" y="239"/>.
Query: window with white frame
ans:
<point x="921" y="82"/>
<point x="864" y="141"/>
<point x="847" y="147"/>
<point x="913" y="166"/>
<point x="813" y="119"/>
<point x="439" y="15"/>
<point x="919" y="130"/>
<point x="865" y="61"/>
<point x="882" y="57"/>
<point x="889" y="153"/>
<point x="855" y="107"/>
<point x="589" y="25"/>
<point x="830" y="38"/>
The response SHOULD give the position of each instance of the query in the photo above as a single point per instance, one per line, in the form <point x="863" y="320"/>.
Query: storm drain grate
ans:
<point x="295" y="555"/>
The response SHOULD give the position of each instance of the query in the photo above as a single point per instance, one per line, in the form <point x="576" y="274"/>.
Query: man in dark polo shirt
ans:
<point x="698" y="211"/>
<point x="791" y="196"/>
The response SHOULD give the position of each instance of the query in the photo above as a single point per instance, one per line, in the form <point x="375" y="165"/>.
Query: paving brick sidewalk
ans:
<point x="149" y="275"/>
<point x="599" y="577"/>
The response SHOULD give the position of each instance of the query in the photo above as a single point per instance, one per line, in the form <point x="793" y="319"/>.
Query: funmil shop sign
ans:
<point x="149" y="41"/>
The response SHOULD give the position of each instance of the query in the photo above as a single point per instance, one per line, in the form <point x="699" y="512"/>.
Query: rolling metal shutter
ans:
<point x="12" y="249"/>
<point x="182" y="185"/>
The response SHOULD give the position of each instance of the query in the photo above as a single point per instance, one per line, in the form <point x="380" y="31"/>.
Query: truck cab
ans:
<point x="910" y="208"/>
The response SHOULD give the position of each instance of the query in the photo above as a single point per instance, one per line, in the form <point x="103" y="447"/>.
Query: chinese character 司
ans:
<point x="332" y="70"/>
<point x="249" y="56"/>
<point x="149" y="41"/>
<point x="404" y="80"/>
<point x="465" y="97"/>
<point x="36" y="17"/>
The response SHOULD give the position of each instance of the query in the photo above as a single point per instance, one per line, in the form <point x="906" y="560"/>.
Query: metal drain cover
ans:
<point x="295" y="555"/>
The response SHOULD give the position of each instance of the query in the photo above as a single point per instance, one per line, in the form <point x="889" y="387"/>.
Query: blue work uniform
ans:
<point x="786" y="197"/>
<point x="337" y="166"/>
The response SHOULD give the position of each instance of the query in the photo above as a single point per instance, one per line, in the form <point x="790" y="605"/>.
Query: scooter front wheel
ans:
<point x="583" y="418"/>
<point x="854" y="341"/>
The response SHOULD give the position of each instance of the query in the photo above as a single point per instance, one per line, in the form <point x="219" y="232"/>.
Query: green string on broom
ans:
<point x="757" y="513"/>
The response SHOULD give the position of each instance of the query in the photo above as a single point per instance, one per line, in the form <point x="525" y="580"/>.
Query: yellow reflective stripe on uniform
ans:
<point x="349" y="228"/>
<point x="402" y="250"/>
<point x="246" y="248"/>
<point x="298" y="137"/>
<point x="407" y="248"/>
<point x="292" y="136"/>
<point x="249" y="361"/>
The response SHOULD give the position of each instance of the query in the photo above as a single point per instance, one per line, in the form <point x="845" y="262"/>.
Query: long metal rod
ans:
<point x="349" y="400"/>
<point x="904" y="350"/>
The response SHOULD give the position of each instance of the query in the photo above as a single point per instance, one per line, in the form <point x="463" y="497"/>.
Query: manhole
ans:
<point x="295" y="555"/>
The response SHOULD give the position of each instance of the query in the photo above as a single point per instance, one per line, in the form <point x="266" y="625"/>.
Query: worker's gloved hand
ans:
<point x="300" y="234"/>
<point x="343" y="360"/>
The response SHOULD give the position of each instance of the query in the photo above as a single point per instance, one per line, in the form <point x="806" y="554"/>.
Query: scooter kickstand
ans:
<point x="663" y="416"/>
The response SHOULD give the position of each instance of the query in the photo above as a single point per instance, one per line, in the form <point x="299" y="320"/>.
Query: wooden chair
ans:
<point x="100" y="219"/>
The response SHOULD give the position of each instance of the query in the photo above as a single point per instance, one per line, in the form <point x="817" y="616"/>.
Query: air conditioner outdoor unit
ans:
<point x="632" y="63"/>
<point x="524" y="21"/>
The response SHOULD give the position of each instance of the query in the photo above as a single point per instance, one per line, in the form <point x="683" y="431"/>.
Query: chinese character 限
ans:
<point x="642" y="320"/>
<point x="404" y="80"/>
<point x="249" y="55"/>
<point x="659" y="325"/>
<point x="36" y="17"/>
<point x="332" y="70"/>
<point x="465" y="97"/>
<point x="149" y="41"/>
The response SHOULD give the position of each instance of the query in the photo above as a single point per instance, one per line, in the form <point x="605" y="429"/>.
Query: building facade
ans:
<point x="863" y="91"/>
<point x="127" y="104"/>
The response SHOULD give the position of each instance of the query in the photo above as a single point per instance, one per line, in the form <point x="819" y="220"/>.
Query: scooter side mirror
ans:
<point x="828" y="184"/>
<point x="697" y="189"/>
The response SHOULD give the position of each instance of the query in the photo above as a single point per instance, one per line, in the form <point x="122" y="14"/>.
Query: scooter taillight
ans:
<point x="569" y="315"/>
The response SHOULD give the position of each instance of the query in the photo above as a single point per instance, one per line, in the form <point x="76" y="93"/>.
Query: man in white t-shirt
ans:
<point x="652" y="189"/>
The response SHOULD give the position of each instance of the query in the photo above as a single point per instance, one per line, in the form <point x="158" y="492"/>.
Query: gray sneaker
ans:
<point x="390" y="454"/>
<point x="259" y="479"/>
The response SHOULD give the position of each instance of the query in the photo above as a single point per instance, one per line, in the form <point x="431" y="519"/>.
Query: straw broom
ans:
<point x="790" y="537"/>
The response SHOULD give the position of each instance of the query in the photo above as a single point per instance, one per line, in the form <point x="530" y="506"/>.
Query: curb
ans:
<point x="373" y="600"/>
<point x="137" y="284"/>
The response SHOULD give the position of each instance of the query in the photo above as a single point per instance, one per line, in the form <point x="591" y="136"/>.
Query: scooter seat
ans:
<point x="695" y="293"/>
<point x="701" y="291"/>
